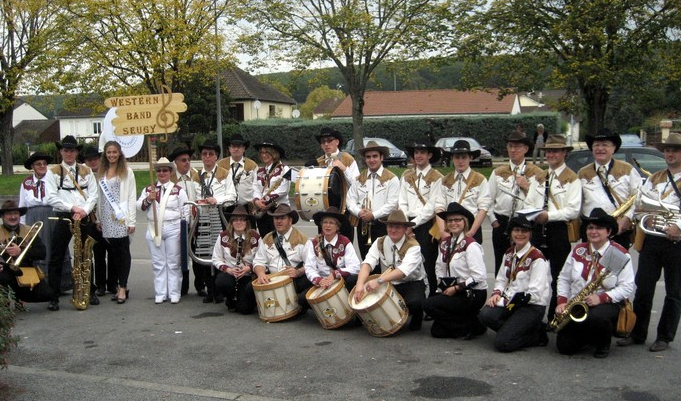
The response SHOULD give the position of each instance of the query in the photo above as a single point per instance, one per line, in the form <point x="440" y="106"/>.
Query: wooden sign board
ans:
<point x="147" y="114"/>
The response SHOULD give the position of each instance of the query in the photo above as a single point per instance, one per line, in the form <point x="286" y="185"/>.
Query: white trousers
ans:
<point x="165" y="261"/>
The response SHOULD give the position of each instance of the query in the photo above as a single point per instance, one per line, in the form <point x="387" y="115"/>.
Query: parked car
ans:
<point x="397" y="157"/>
<point x="485" y="159"/>
<point x="650" y="159"/>
<point x="632" y="140"/>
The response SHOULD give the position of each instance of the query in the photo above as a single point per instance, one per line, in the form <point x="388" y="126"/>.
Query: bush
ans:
<point x="8" y="309"/>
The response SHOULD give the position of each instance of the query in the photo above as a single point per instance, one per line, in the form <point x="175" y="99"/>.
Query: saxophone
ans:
<point x="577" y="310"/>
<point x="82" y="267"/>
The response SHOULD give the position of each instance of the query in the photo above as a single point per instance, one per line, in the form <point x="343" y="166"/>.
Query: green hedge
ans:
<point x="297" y="137"/>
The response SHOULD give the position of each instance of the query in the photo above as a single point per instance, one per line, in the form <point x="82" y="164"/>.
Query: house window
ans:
<point x="97" y="127"/>
<point x="272" y="111"/>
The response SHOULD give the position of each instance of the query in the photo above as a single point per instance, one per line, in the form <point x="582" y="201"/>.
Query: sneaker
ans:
<point x="174" y="300"/>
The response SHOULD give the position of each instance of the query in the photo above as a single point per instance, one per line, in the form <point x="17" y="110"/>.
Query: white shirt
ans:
<point x="411" y="266"/>
<point x="268" y="256"/>
<point x="244" y="178"/>
<point x="409" y="201"/>
<point x="568" y="196"/>
<point x="467" y="265"/>
<point x="384" y="197"/>
<point x="261" y="187"/>
<point x="62" y="200"/>
<point x="502" y="202"/>
<point x="534" y="279"/>
<point x="223" y="190"/>
<point x="174" y="209"/>
<point x="477" y="197"/>
<point x="595" y="196"/>
<point x="222" y="254"/>
<point x="316" y="267"/>
<point x="351" y="172"/>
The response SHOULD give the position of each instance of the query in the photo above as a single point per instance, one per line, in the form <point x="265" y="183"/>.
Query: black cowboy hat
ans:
<point x="519" y="137"/>
<point x="397" y="217"/>
<point x="181" y="150"/>
<point x="210" y="144"/>
<point x="332" y="211"/>
<point x="463" y="146"/>
<point x="456" y="208"/>
<point x="69" y="142"/>
<point x="90" y="152"/>
<point x="240" y="211"/>
<point x="424" y="145"/>
<point x="10" y="205"/>
<point x="373" y="146"/>
<point x="285" y="210"/>
<point x="238" y="140"/>
<point x="600" y="218"/>
<point x="35" y="157"/>
<point x="520" y="221"/>
<point x="326" y="132"/>
<point x="604" y="134"/>
<point x="282" y="153"/>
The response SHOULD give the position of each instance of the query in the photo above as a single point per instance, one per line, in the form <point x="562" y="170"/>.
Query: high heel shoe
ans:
<point x="122" y="300"/>
<point x="115" y="296"/>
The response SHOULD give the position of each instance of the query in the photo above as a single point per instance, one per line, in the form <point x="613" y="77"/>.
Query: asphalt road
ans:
<point x="194" y="351"/>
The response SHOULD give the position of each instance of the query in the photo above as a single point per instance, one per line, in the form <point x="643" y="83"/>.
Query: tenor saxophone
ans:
<point x="82" y="267"/>
<point x="577" y="310"/>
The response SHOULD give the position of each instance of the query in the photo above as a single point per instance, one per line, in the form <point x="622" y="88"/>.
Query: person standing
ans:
<point x="521" y="293"/>
<point x="660" y="252"/>
<point x="418" y="188"/>
<point x="539" y="139"/>
<point x="512" y="187"/>
<point x="398" y="258"/>
<point x="271" y="185"/>
<point x="241" y="169"/>
<point x="562" y="194"/>
<point x="331" y="141"/>
<point x="609" y="183"/>
<point x="372" y="196"/>
<point x="72" y="192"/>
<point x="117" y="213"/>
<point x="466" y="187"/>
<point x="164" y="203"/>
<point x="584" y="266"/>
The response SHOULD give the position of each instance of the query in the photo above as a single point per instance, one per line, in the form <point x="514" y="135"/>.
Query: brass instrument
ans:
<point x="657" y="216"/>
<point x="82" y="265"/>
<point x="25" y="245"/>
<point x="259" y="213"/>
<point x="624" y="207"/>
<point x="366" y="225"/>
<point x="644" y="171"/>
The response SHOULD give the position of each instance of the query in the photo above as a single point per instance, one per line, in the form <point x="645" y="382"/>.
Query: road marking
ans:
<point x="222" y="395"/>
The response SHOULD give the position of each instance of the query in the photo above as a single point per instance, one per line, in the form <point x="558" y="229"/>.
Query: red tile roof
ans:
<point x="429" y="102"/>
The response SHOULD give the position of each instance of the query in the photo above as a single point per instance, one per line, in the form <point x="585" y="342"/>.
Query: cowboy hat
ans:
<point x="35" y="157"/>
<point x="279" y="149"/>
<point x="425" y="145"/>
<point x="210" y="144"/>
<point x="672" y="141"/>
<point x="240" y="211"/>
<point x="330" y="132"/>
<point x="556" y="142"/>
<point x="10" y="205"/>
<point x="332" y="211"/>
<point x="519" y="137"/>
<point x="600" y="218"/>
<point x="373" y="146"/>
<point x="462" y="146"/>
<point x="520" y="221"/>
<point x="181" y="150"/>
<point x="397" y="217"/>
<point x="604" y="134"/>
<point x="69" y="142"/>
<point x="285" y="210"/>
<point x="456" y="208"/>
<point x="164" y="163"/>
<point x="238" y="140"/>
<point x="90" y="152"/>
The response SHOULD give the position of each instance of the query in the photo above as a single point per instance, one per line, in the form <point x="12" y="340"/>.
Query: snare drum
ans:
<point x="330" y="305"/>
<point x="383" y="312"/>
<point x="277" y="300"/>
<point x="317" y="188"/>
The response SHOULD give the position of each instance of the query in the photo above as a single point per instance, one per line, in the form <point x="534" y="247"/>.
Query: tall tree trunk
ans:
<point x="6" y="138"/>
<point x="596" y="99"/>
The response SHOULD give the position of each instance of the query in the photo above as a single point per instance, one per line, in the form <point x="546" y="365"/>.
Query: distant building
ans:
<point x="24" y="111"/>
<point x="253" y="100"/>
<point x="36" y="131"/>
<point x="325" y="108"/>
<point x="431" y="103"/>
<point x="84" y="123"/>
<point x="548" y="101"/>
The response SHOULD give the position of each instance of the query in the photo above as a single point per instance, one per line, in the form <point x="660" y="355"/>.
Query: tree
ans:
<point x="356" y="35"/>
<point x="28" y="29"/>
<point x="316" y="96"/>
<point x="592" y="46"/>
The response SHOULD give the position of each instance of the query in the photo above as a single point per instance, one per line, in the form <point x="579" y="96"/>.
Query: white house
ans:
<point x="25" y="112"/>
<point x="83" y="123"/>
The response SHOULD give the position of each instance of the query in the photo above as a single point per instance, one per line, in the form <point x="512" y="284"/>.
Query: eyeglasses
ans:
<point x="39" y="164"/>
<point x="455" y="220"/>
<point x="326" y="140"/>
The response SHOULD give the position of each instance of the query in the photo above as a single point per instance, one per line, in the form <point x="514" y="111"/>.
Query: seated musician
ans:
<point x="10" y="214"/>
<point x="584" y="266"/>
<point x="330" y="255"/>
<point x="461" y="278"/>
<point x="281" y="250"/>
<point x="521" y="293"/>
<point x="233" y="259"/>
<point x="402" y="257"/>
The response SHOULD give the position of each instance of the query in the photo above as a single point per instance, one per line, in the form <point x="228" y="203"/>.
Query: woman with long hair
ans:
<point x="116" y="212"/>
<point x="271" y="185"/>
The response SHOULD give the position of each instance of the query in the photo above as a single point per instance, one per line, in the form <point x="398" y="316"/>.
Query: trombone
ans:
<point x="25" y="245"/>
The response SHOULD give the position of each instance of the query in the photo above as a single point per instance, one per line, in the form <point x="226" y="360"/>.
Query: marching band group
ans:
<point x="419" y="237"/>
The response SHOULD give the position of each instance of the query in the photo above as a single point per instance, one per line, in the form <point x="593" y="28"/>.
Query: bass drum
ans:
<point x="317" y="188"/>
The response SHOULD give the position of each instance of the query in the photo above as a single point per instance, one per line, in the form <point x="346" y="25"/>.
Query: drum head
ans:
<point x="370" y="299"/>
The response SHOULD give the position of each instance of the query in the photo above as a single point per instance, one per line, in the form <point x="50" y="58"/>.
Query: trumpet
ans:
<point x="366" y="225"/>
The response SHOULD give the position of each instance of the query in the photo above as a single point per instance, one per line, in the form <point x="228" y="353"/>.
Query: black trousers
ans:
<point x="455" y="316"/>
<point x="501" y="241"/>
<point x="596" y="330"/>
<point x="377" y="229"/>
<point x="265" y="225"/>
<point x="552" y="240"/>
<point x="520" y="329"/>
<point x="233" y="289"/>
<point x="120" y="259"/>
<point x="60" y="241"/>
<point x="203" y="278"/>
<point x="657" y="254"/>
<point x="429" y="251"/>
<point x="40" y="293"/>
<point x="413" y="293"/>
<point x="105" y="276"/>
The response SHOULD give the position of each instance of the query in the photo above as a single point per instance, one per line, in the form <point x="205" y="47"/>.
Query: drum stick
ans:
<point x="388" y="270"/>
